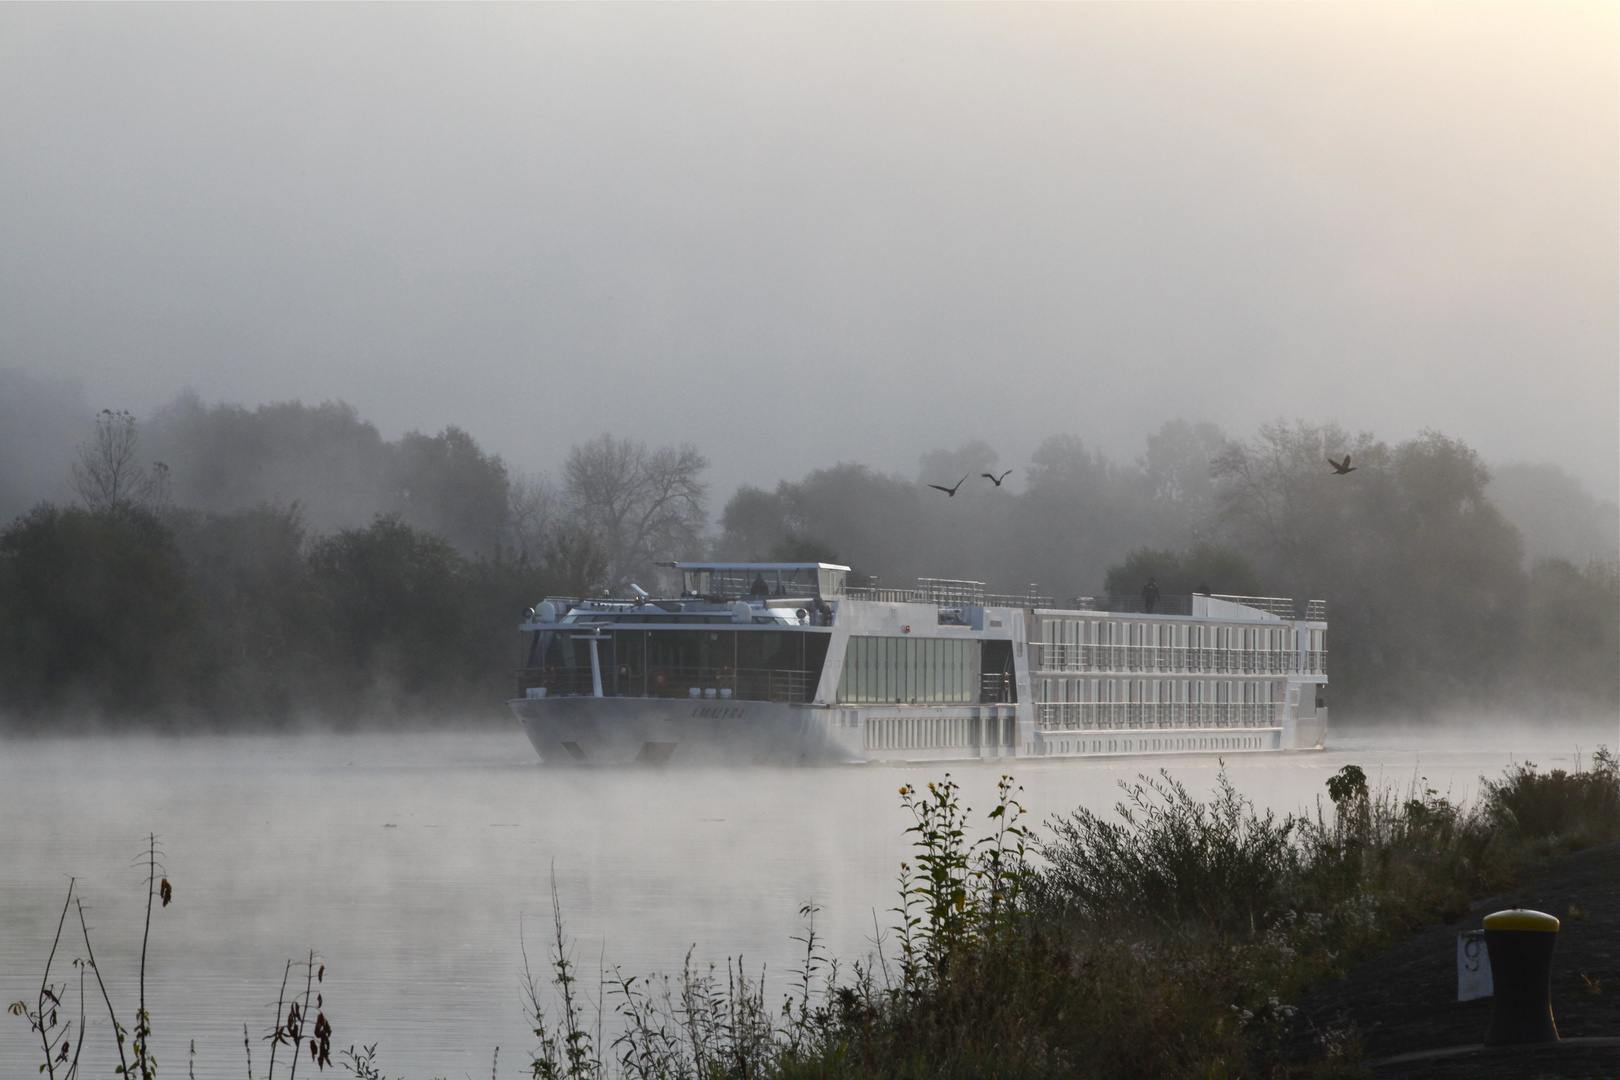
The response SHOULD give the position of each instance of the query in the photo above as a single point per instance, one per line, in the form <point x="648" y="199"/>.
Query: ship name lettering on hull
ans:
<point x="716" y="712"/>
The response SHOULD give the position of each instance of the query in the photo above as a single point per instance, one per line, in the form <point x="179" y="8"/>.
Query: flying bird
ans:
<point x="949" y="491"/>
<point x="1342" y="467"/>
<point x="996" y="480"/>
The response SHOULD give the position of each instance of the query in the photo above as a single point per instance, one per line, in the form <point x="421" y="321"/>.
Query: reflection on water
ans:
<point x="410" y="861"/>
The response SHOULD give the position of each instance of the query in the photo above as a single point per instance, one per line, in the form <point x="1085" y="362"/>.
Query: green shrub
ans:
<point x="1175" y="859"/>
<point x="1580" y="808"/>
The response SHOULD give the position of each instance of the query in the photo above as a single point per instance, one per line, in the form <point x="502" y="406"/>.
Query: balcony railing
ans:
<point x="996" y="688"/>
<point x="1048" y="656"/>
<point x="1129" y="715"/>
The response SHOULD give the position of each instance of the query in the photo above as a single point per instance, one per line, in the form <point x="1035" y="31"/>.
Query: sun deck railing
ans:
<point x="1281" y="606"/>
<point x="949" y="592"/>
<point x="1134" y="605"/>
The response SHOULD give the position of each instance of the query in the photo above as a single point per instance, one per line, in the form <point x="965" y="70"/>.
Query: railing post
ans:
<point x="596" y="669"/>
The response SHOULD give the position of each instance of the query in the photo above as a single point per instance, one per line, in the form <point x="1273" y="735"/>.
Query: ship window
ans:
<point x="555" y="650"/>
<point x="735" y="582"/>
<point x="895" y="670"/>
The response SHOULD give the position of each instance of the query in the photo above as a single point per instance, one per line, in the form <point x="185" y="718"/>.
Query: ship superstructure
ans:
<point x="784" y="662"/>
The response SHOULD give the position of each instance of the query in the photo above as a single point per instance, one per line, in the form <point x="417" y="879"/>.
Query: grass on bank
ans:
<point x="1165" y="940"/>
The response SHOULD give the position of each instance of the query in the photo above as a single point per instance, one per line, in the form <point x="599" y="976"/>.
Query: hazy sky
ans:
<point x="799" y="234"/>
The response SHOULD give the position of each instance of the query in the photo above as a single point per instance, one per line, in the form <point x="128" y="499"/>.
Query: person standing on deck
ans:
<point x="1150" y="596"/>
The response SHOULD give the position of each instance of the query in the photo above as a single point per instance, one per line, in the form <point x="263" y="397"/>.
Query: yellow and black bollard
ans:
<point x="1521" y="946"/>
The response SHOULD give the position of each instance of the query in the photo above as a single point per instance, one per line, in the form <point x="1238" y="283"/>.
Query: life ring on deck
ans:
<point x="725" y="675"/>
<point x="660" y="678"/>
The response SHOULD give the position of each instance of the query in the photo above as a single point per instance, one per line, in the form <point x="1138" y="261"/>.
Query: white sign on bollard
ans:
<point x="1473" y="966"/>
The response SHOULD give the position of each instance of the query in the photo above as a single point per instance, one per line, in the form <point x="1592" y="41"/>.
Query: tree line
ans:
<point x="127" y="605"/>
<point x="1433" y="605"/>
<point x="217" y="564"/>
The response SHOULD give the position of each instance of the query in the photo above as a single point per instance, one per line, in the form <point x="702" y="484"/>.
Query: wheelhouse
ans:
<point x="750" y="632"/>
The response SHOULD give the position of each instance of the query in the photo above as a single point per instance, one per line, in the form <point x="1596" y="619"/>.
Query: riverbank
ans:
<point x="1179" y="937"/>
<point x="1403" y="1003"/>
<point x="409" y="863"/>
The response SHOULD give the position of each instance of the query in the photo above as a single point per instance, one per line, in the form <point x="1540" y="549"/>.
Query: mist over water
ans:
<point x="409" y="862"/>
<point x="380" y="311"/>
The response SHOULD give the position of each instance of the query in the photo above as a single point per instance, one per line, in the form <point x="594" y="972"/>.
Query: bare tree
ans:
<point x="108" y="476"/>
<point x="637" y="505"/>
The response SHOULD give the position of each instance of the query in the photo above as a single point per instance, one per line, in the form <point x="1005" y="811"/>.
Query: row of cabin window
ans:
<point x="1214" y="691"/>
<point x="1174" y="635"/>
<point x="901" y="670"/>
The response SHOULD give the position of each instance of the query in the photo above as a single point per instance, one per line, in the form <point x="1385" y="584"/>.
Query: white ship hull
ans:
<point x="590" y="731"/>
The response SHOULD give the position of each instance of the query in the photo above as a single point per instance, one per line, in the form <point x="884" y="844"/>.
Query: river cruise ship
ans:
<point x="783" y="662"/>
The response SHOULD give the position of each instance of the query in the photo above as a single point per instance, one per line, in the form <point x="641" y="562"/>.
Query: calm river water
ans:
<point x="409" y="863"/>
